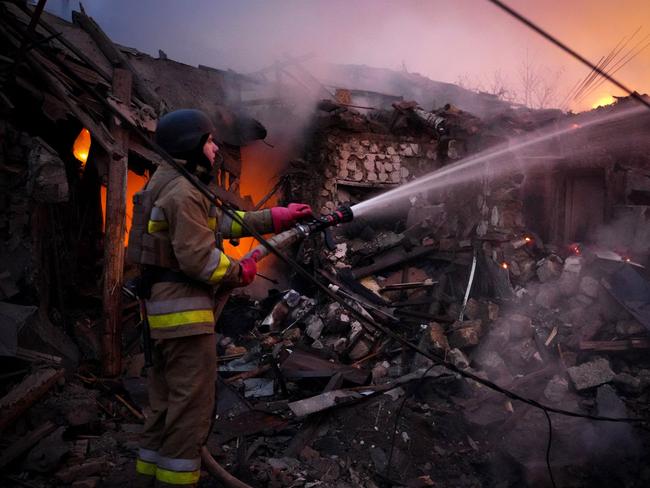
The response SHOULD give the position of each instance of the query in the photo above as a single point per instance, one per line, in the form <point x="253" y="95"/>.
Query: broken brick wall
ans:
<point x="357" y="164"/>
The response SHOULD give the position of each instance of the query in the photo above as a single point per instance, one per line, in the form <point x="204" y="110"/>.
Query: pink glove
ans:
<point x="248" y="269"/>
<point x="285" y="217"/>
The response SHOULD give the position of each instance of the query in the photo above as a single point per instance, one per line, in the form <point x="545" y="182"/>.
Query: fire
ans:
<point x="81" y="147"/>
<point x="528" y="240"/>
<point x="603" y="101"/>
<point x="504" y="265"/>
<point x="134" y="184"/>
<point x="260" y="168"/>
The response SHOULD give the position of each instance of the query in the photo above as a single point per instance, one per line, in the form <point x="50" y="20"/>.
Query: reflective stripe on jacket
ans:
<point x="184" y="222"/>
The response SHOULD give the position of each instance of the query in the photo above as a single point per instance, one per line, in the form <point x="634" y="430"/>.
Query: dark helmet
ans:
<point x="183" y="131"/>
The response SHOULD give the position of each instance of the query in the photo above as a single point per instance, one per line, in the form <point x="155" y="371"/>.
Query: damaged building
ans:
<point x="495" y="264"/>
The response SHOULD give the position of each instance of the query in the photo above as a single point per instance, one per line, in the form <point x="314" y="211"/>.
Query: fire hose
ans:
<point x="300" y="231"/>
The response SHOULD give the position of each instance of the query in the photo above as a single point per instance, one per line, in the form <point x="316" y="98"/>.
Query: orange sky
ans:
<point x="442" y="39"/>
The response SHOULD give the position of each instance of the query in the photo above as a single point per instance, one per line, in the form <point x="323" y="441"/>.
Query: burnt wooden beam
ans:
<point x="99" y="132"/>
<point x="29" y="391"/>
<point x="117" y="58"/>
<point x="114" y="235"/>
<point x="71" y="47"/>
<point x="25" y="443"/>
<point x="31" y="29"/>
<point x="401" y="255"/>
<point x="616" y="345"/>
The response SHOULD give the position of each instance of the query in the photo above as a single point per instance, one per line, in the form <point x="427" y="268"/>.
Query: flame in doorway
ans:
<point x="134" y="183"/>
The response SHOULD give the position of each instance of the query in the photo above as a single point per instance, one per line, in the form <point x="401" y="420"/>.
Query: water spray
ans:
<point x="472" y="168"/>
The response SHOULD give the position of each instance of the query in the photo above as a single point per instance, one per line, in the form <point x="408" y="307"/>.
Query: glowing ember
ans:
<point x="504" y="265"/>
<point x="575" y="249"/>
<point x="528" y="240"/>
<point x="81" y="147"/>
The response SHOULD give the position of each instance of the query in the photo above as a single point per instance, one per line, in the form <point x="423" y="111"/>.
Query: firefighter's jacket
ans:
<point x="182" y="232"/>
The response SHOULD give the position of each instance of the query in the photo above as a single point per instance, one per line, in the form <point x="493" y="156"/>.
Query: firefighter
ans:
<point x="174" y="236"/>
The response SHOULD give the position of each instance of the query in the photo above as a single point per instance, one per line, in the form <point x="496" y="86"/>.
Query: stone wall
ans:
<point x="371" y="161"/>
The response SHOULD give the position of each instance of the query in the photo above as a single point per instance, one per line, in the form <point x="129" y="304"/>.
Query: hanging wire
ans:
<point x="570" y="51"/>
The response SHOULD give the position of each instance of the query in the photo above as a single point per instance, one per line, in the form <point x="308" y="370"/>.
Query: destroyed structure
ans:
<point x="532" y="278"/>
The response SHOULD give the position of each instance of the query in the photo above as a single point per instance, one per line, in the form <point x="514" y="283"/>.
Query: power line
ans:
<point x="570" y="51"/>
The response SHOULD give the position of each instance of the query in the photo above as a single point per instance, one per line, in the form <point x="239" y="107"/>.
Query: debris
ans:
<point x="300" y="364"/>
<point x="322" y="402"/>
<point x="314" y="327"/>
<point x="556" y="389"/>
<point x="589" y="286"/>
<point x="620" y="345"/>
<point x="458" y="358"/>
<point x="89" y="468"/>
<point x="632" y="291"/>
<point x="465" y="334"/>
<point x="590" y="374"/>
<point x="258" y="387"/>
<point x="549" y="269"/>
<point x="48" y="182"/>
<point x="30" y="390"/>
<point x="25" y="443"/>
<point x="520" y="326"/>
<point x="12" y="319"/>
<point x="48" y="454"/>
<point x="547" y="295"/>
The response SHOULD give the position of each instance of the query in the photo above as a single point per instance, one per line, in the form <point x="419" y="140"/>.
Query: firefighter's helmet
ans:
<point x="182" y="131"/>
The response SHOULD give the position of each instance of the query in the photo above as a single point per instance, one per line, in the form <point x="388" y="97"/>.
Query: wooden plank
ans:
<point x="25" y="443"/>
<point x="618" y="345"/>
<point x="363" y="184"/>
<point x="114" y="236"/>
<point x="30" y="355"/>
<point x="31" y="389"/>
<point x="73" y="49"/>
<point x="98" y="132"/>
<point x="399" y="255"/>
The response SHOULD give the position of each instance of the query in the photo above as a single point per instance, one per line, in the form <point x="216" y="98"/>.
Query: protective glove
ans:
<point x="248" y="269"/>
<point x="285" y="217"/>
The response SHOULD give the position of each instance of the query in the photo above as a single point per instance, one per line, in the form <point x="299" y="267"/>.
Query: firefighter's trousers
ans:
<point x="181" y="396"/>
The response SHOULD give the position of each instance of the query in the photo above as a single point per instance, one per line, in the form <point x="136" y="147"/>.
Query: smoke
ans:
<point x="441" y="40"/>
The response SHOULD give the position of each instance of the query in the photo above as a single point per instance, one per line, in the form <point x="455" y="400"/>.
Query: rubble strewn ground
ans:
<point x="311" y="397"/>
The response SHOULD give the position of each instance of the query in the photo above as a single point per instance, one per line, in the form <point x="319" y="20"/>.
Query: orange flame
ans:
<point x="134" y="183"/>
<point x="81" y="147"/>
<point x="504" y="265"/>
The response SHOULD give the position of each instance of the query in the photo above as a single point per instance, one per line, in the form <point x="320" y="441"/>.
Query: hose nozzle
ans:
<point x="341" y="215"/>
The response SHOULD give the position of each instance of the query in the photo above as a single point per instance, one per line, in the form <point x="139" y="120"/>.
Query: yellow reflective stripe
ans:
<point x="177" y="477"/>
<point x="145" y="468"/>
<point x="156" y="226"/>
<point x="212" y="223"/>
<point x="221" y="269"/>
<point x="235" y="227"/>
<point x="180" y="318"/>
